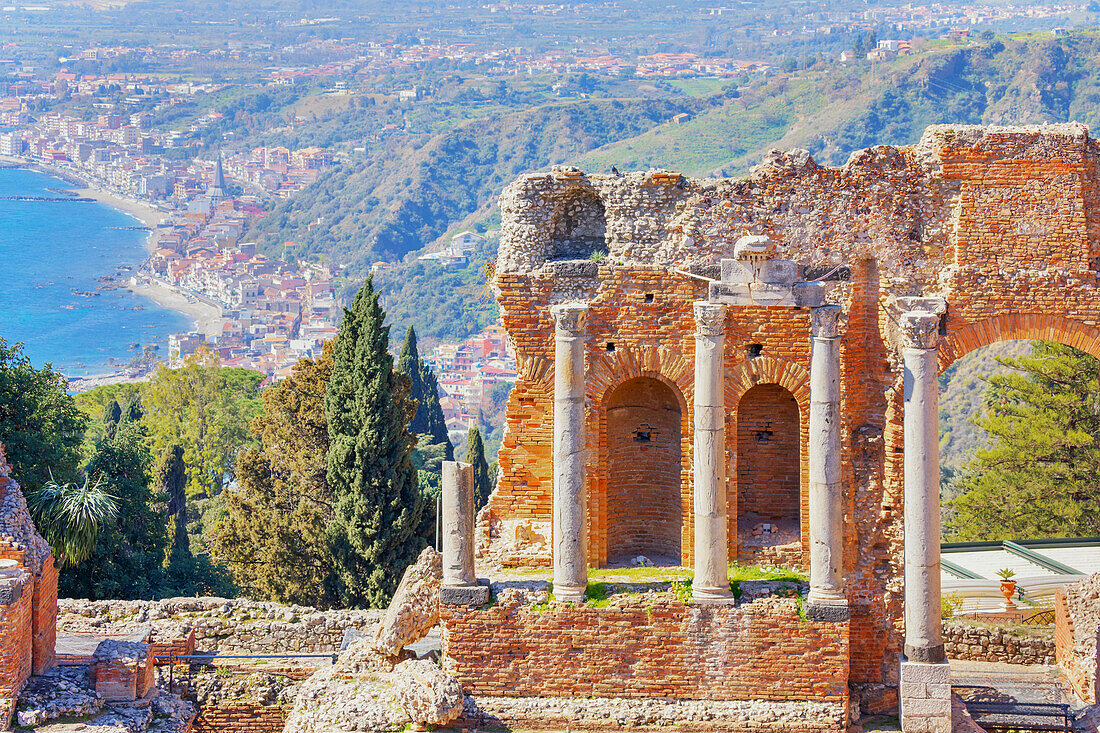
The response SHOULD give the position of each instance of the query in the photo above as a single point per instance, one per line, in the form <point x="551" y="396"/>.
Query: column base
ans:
<point x="569" y="593"/>
<point x="925" y="654"/>
<point x="924" y="695"/>
<point x="827" y="607"/>
<point x="716" y="594"/>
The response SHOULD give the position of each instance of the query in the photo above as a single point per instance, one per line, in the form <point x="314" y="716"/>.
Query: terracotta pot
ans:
<point x="1008" y="589"/>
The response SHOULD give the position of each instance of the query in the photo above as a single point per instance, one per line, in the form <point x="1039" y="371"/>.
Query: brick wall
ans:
<point x="44" y="617"/>
<point x="1078" y="672"/>
<point x="644" y="507"/>
<point x="239" y="717"/>
<point x="662" y="648"/>
<point x="15" y="638"/>
<point x="768" y="471"/>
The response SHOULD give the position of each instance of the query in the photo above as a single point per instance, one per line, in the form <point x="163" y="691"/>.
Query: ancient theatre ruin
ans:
<point x="745" y="370"/>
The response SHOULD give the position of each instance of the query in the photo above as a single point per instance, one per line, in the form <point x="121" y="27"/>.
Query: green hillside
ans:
<point x="404" y="193"/>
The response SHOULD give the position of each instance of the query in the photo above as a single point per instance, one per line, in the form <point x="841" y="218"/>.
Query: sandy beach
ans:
<point x="206" y="317"/>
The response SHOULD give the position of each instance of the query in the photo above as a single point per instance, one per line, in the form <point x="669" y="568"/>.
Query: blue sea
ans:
<point x="50" y="252"/>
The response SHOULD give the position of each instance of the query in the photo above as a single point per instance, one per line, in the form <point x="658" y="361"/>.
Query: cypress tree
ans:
<point x="475" y="456"/>
<point x="408" y="363"/>
<point x="424" y="388"/>
<point x="437" y="423"/>
<point x="375" y="532"/>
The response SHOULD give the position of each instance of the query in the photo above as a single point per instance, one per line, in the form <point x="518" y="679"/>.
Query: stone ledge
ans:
<point x="828" y="612"/>
<point x="603" y="714"/>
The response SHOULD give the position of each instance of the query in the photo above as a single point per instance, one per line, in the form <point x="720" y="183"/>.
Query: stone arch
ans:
<point x="794" y="379"/>
<point x="1009" y="326"/>
<point x="578" y="225"/>
<point x="605" y="375"/>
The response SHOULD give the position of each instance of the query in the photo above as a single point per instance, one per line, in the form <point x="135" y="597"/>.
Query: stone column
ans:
<point x="826" y="600"/>
<point x="460" y="585"/>
<point x="570" y="502"/>
<point x="711" y="542"/>
<point x="923" y="626"/>
<point x="925" y="688"/>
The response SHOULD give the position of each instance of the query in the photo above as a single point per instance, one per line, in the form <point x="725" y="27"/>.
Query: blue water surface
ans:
<point x="50" y="251"/>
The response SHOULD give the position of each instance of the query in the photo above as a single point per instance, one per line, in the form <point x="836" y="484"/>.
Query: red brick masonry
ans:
<point x="662" y="648"/>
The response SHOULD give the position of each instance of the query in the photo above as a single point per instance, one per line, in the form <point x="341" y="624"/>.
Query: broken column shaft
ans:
<point x="711" y="572"/>
<point x="570" y="502"/>
<point x="458" y="524"/>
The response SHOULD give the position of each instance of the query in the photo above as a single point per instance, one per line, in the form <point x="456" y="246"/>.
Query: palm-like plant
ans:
<point x="71" y="515"/>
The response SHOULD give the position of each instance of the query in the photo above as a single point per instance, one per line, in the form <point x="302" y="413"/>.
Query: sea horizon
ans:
<point x="55" y="303"/>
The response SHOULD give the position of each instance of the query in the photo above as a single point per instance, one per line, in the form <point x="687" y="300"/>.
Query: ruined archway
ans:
<point x="577" y="226"/>
<point x="768" y="474"/>
<point x="644" y="459"/>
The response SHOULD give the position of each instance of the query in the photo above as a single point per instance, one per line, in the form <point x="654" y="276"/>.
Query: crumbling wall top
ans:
<point x="16" y="527"/>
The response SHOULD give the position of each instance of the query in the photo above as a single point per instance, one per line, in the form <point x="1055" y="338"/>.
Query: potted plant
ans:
<point x="1008" y="585"/>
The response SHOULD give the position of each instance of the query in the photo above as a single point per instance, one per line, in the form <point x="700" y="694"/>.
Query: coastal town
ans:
<point x="253" y="311"/>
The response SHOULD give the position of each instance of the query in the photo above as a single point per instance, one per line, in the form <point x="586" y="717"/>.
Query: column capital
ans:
<point x="710" y="318"/>
<point x="920" y="330"/>
<point x="569" y="317"/>
<point x="824" y="321"/>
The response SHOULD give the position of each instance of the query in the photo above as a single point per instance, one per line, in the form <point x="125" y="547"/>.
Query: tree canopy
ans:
<point x="205" y="409"/>
<point x="273" y="534"/>
<point x="1039" y="477"/>
<point x="40" y="425"/>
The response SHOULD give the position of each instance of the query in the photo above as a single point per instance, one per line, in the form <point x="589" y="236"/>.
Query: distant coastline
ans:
<point x="206" y="318"/>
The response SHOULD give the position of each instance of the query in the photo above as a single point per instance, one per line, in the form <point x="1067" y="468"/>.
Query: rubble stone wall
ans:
<point x="228" y="626"/>
<point x="661" y="648"/>
<point x="1004" y="223"/>
<point x="27" y="618"/>
<point x="988" y="644"/>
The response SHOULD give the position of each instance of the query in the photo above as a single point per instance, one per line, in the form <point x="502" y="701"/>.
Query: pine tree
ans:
<point x="475" y="456"/>
<point x="424" y="388"/>
<point x="1039" y="477"/>
<point x="272" y="536"/>
<point x="376" y="530"/>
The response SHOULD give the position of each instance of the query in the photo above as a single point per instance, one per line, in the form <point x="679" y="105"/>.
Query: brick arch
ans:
<point x="607" y="372"/>
<point x="1041" y="326"/>
<point x="768" y="370"/>
<point x="740" y="379"/>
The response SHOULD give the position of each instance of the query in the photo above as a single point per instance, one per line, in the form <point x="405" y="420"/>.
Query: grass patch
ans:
<point x="740" y="573"/>
<point x="638" y="574"/>
<point x="596" y="595"/>
<point x="682" y="589"/>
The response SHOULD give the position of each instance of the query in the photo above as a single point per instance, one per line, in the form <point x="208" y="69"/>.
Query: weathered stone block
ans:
<point x="472" y="595"/>
<point x="809" y="295"/>
<point x="777" y="272"/>
<point x="769" y="294"/>
<point x="736" y="271"/>
<point x="730" y="293"/>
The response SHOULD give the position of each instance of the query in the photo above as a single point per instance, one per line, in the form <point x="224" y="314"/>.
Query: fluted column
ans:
<point x="826" y="600"/>
<point x="923" y="629"/>
<point x="711" y="572"/>
<point x="570" y="502"/>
